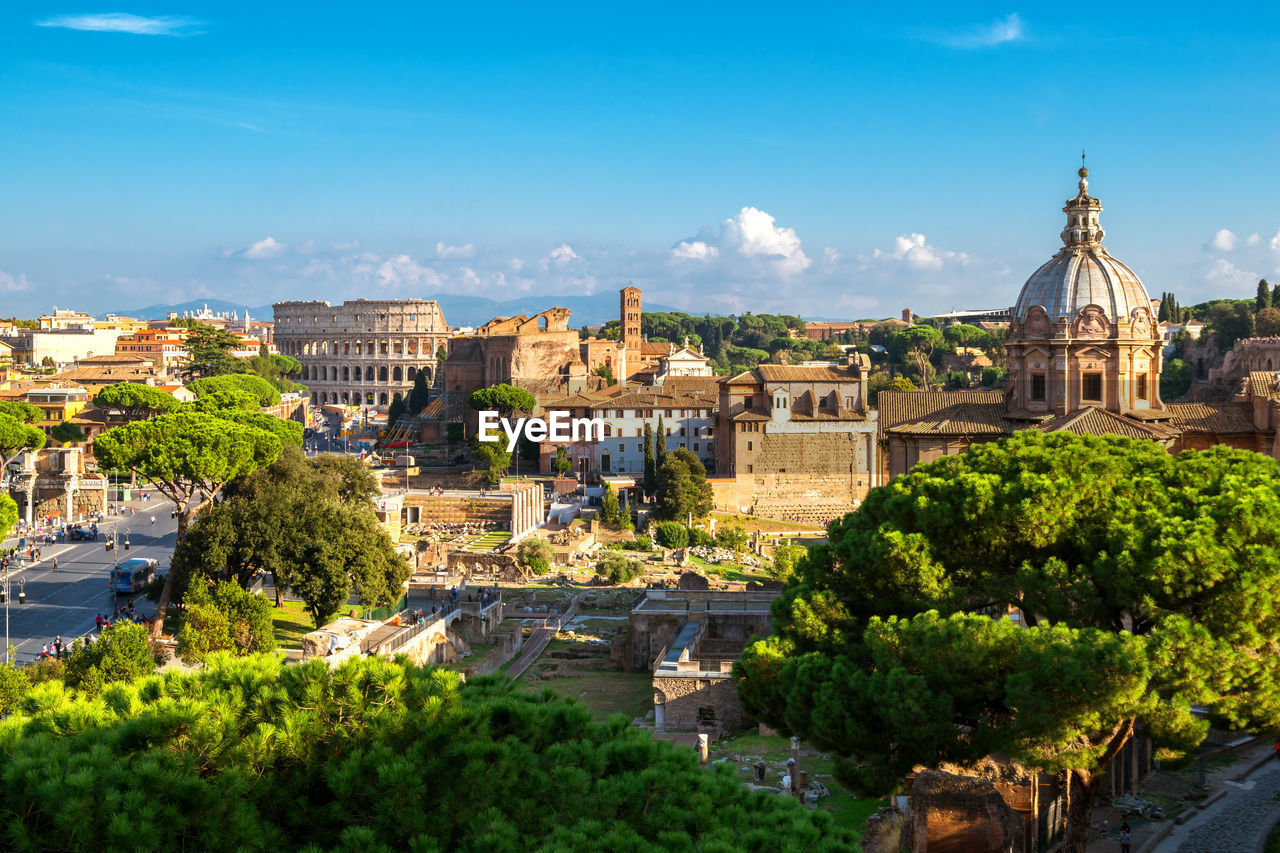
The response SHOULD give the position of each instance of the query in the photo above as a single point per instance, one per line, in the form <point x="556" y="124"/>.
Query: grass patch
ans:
<point x="604" y="693"/>
<point x="292" y="622"/>
<point x="730" y="571"/>
<point x="490" y="541"/>
<point x="847" y="810"/>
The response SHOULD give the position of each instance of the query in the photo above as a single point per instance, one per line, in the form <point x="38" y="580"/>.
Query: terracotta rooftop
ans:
<point x="1263" y="383"/>
<point x="1092" y="420"/>
<point x="958" y="419"/>
<point x="1220" y="418"/>
<point x="899" y="407"/>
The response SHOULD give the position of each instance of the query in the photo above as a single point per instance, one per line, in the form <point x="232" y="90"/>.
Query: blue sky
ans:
<point x="832" y="160"/>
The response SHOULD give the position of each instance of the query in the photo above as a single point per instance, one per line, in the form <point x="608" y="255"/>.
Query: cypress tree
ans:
<point x="1263" y="299"/>
<point x="419" y="396"/>
<point x="650" y="468"/>
<point x="660" y="447"/>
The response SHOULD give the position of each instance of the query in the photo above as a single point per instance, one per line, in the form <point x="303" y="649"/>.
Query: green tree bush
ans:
<point x="121" y="653"/>
<point x="135" y="400"/>
<point x="671" y="534"/>
<point x="67" y="433"/>
<point x="535" y="554"/>
<point x="249" y="754"/>
<point x="224" y="617"/>
<point x="609" y="511"/>
<point x="618" y="568"/>
<point x="1147" y="585"/>
<point x="683" y="489"/>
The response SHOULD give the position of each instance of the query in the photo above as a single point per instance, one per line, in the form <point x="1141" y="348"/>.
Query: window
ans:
<point x="751" y="469"/>
<point x="682" y="430"/>
<point x="1091" y="387"/>
<point x="621" y="447"/>
<point x="695" y="446"/>
<point x="748" y="447"/>
<point x="1142" y="386"/>
<point x="1037" y="387"/>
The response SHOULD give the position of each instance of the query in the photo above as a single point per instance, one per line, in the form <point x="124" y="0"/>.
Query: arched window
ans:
<point x="358" y="347"/>
<point x="346" y="373"/>
<point x="346" y="397"/>
<point x="382" y="398"/>
<point x="382" y="373"/>
<point x="368" y="375"/>
<point x="608" y="431"/>
<point x="346" y="348"/>
<point x="397" y="375"/>
<point x="368" y="398"/>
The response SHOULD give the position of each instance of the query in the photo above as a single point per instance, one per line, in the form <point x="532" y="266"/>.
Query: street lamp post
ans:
<point x="5" y="577"/>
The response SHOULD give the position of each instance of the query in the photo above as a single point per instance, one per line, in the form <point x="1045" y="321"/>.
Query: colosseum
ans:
<point x="361" y="353"/>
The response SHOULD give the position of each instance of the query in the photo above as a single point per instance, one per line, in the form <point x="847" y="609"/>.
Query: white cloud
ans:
<point x="830" y="255"/>
<point x="751" y="235"/>
<point x="916" y="253"/>
<point x="267" y="248"/>
<point x="1274" y="242"/>
<point x="445" y="251"/>
<point x="1224" y="240"/>
<point x="13" y="284"/>
<point x="559" y="256"/>
<point x="695" y="251"/>
<point x="1001" y="31"/>
<point x="403" y="271"/>
<point x="1223" y="273"/>
<point x="1253" y="240"/>
<point x="517" y="264"/>
<point x="123" y="22"/>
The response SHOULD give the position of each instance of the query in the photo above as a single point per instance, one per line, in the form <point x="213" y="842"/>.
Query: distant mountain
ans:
<point x="459" y="309"/>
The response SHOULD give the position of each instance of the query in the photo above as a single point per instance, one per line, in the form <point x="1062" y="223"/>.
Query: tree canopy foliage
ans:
<point x="502" y="398"/>
<point x="188" y="456"/>
<point x="209" y="351"/>
<point x="234" y="391"/>
<point x="309" y="522"/>
<point x="135" y="400"/>
<point x="67" y="433"/>
<point x="224" y="617"/>
<point x="249" y="754"/>
<point x="682" y="486"/>
<point x="1147" y="584"/>
<point x="17" y="434"/>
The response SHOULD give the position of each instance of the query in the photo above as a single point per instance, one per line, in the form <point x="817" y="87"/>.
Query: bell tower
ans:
<point x="630" y="317"/>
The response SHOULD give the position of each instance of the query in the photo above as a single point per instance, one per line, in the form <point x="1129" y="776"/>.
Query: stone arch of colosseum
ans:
<point x="361" y="353"/>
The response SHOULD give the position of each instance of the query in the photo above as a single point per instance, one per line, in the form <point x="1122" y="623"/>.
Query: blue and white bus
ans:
<point x="131" y="576"/>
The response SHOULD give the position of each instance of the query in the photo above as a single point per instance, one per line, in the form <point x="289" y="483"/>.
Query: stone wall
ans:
<point x="364" y="352"/>
<point x="690" y="704"/>
<point x="962" y="814"/>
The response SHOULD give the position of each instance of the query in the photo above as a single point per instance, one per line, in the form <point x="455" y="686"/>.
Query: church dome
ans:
<point x="1082" y="273"/>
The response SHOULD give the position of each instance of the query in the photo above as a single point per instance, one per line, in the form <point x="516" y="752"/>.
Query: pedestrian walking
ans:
<point x="1124" y="840"/>
<point x="55" y="561"/>
<point x="57" y="647"/>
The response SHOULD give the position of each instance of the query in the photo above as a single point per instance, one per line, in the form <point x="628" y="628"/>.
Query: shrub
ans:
<point x="535" y="554"/>
<point x="698" y="536"/>
<point x="617" y="568"/>
<point x="671" y="534"/>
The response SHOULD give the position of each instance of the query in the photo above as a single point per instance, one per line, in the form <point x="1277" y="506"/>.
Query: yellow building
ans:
<point x="58" y="404"/>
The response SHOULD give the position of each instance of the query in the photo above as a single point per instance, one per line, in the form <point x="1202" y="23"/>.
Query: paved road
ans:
<point x="1238" y="822"/>
<point x="65" y="600"/>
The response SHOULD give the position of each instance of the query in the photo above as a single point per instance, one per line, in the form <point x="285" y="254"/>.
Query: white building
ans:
<point x="685" y="405"/>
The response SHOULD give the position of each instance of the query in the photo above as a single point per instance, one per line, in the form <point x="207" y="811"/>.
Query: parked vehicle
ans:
<point x="131" y="576"/>
<point x="82" y="534"/>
